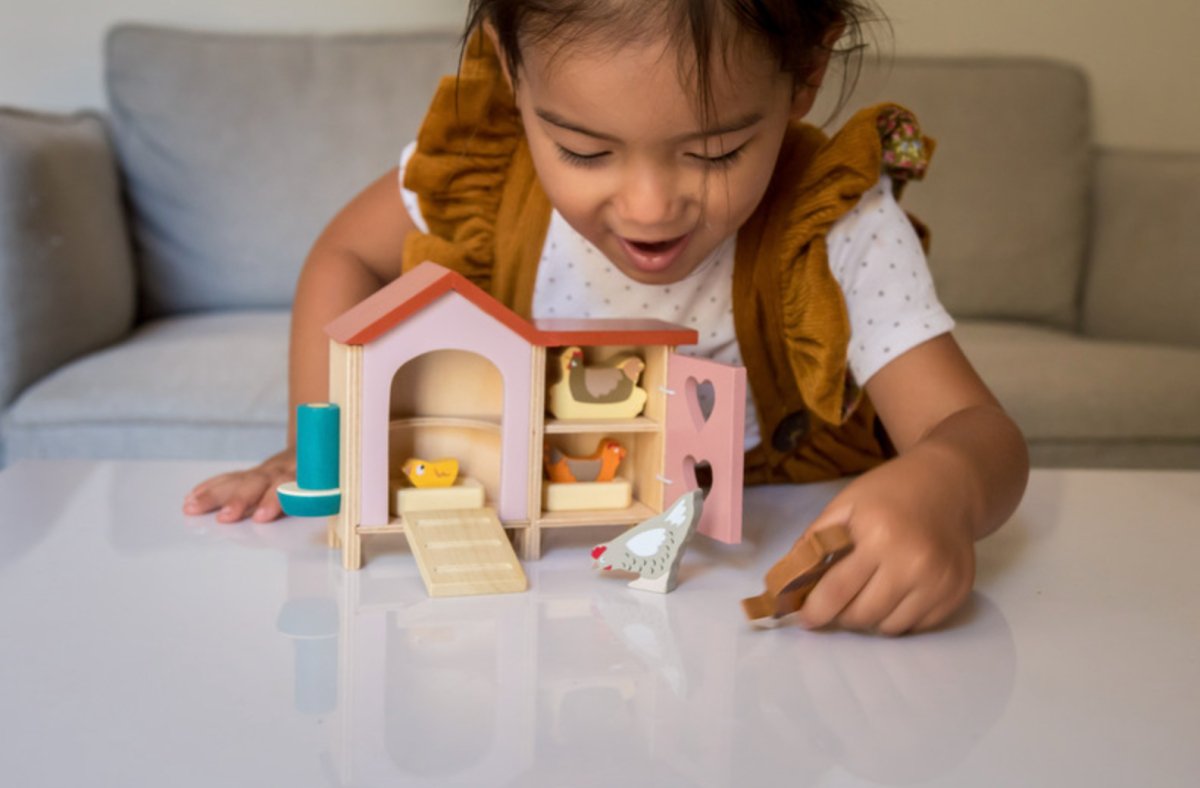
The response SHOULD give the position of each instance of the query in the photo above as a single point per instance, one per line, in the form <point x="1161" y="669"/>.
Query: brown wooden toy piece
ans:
<point x="789" y="582"/>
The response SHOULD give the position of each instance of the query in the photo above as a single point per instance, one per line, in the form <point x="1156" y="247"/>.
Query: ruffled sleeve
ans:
<point x="464" y="152"/>
<point x="817" y="181"/>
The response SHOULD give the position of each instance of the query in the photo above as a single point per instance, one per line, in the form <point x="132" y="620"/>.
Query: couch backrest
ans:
<point x="1007" y="192"/>
<point x="237" y="149"/>
<point x="1143" y="283"/>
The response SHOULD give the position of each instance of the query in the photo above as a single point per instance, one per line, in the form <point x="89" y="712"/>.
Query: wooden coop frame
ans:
<point x="414" y="368"/>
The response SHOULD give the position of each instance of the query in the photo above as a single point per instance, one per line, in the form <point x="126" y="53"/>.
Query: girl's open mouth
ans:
<point x="653" y="256"/>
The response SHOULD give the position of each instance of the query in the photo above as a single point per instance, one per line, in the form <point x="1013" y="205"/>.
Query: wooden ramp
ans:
<point x="463" y="552"/>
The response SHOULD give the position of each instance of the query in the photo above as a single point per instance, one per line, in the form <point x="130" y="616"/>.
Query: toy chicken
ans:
<point x="430" y="473"/>
<point x="600" y="466"/>
<point x="790" y="580"/>
<point x="607" y="390"/>
<point x="654" y="547"/>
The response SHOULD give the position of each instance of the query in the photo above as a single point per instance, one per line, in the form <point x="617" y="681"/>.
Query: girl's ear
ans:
<point x="490" y="32"/>
<point x="804" y="95"/>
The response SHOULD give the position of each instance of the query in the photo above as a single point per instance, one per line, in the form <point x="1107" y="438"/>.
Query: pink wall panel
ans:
<point x="449" y="323"/>
<point x="717" y="437"/>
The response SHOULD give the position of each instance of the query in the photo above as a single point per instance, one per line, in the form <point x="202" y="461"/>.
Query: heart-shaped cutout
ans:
<point x="701" y="399"/>
<point x="699" y="474"/>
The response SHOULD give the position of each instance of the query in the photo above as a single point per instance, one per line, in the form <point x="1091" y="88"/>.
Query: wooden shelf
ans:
<point x="396" y="525"/>
<point x="569" y="426"/>
<point x="588" y="517"/>
<point x="415" y="422"/>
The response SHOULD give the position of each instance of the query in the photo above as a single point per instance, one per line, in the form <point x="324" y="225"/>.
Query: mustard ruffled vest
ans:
<point x="488" y="217"/>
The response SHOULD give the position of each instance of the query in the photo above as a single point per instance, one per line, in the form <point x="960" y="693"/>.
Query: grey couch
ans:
<point x="148" y="254"/>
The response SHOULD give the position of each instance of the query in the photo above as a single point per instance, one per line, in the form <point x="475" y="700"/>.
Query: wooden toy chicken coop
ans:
<point x="431" y="366"/>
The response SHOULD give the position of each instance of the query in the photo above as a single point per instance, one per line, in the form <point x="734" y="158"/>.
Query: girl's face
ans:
<point x="621" y="153"/>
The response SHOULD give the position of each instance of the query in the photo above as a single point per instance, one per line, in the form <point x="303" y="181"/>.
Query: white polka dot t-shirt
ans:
<point x="876" y="257"/>
<point x="874" y="254"/>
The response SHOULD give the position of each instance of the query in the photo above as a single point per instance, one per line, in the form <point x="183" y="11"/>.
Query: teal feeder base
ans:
<point x="308" y="503"/>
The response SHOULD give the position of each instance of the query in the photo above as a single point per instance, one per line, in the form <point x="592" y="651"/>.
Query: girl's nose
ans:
<point x="650" y="199"/>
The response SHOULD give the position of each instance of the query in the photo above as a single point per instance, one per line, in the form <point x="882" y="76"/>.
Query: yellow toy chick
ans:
<point x="430" y="473"/>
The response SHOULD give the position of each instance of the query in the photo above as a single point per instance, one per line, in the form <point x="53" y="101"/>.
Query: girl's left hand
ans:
<point x="913" y="562"/>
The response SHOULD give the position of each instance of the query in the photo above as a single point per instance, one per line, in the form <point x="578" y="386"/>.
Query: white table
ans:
<point x="144" y="648"/>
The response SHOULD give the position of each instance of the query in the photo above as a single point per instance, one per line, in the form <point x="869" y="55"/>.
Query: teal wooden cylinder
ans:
<point x="317" y="444"/>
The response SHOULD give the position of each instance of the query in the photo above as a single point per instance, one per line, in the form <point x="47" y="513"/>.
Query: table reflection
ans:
<point x="592" y="680"/>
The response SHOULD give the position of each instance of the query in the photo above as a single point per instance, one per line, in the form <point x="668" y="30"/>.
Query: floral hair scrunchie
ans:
<point x="906" y="152"/>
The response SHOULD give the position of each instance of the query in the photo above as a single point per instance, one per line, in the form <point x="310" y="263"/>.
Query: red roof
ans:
<point x="426" y="283"/>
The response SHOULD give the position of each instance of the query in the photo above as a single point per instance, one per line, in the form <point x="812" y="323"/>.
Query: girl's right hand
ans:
<point x="241" y="494"/>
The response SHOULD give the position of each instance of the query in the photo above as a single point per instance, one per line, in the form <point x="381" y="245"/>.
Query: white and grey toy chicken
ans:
<point x="653" y="548"/>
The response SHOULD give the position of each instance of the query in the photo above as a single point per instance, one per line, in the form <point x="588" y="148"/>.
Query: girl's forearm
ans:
<point x="331" y="282"/>
<point x="982" y="451"/>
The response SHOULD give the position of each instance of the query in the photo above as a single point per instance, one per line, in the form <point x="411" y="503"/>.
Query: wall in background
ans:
<point x="50" y="50"/>
<point x="1142" y="58"/>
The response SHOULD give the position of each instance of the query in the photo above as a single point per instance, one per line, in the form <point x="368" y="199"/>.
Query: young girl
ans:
<point x="631" y="158"/>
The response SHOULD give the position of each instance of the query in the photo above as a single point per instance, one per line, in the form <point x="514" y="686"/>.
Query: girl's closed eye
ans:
<point x="722" y="160"/>
<point x="577" y="159"/>
<point x="581" y="159"/>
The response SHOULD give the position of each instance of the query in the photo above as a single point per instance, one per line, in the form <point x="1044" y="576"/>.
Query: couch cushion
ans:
<point x="1064" y="389"/>
<point x="1144" y="280"/>
<point x="237" y="149"/>
<point x="210" y="386"/>
<point x="66" y="274"/>
<point x="1007" y="192"/>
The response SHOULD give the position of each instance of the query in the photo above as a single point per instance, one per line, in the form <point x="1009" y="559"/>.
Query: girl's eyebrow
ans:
<point x="738" y="124"/>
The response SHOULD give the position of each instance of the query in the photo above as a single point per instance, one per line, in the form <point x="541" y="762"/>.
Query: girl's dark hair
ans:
<point x="793" y="30"/>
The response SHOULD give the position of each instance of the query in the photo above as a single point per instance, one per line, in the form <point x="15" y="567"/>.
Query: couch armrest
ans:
<point x="1143" y="280"/>
<point x="66" y="270"/>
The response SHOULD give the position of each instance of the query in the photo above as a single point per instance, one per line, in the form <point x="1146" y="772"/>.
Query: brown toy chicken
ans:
<point x="654" y="547"/>
<point x="600" y="466"/>
<point x="790" y="580"/>
<point x="606" y="390"/>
